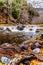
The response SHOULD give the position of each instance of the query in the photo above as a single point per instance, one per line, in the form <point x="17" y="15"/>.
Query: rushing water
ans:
<point x="18" y="36"/>
<point x="26" y="28"/>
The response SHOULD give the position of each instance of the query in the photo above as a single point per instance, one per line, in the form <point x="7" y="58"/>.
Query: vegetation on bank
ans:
<point x="15" y="13"/>
<point x="19" y="10"/>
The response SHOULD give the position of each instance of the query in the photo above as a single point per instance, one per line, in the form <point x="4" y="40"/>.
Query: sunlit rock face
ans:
<point x="36" y="3"/>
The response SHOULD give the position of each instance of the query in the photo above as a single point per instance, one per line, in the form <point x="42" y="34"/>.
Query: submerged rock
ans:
<point x="20" y="27"/>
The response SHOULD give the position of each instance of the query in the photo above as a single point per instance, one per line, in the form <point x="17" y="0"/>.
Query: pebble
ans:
<point x="36" y="50"/>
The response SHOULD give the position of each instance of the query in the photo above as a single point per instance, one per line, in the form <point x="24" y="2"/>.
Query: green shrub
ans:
<point x="15" y="13"/>
<point x="1" y="3"/>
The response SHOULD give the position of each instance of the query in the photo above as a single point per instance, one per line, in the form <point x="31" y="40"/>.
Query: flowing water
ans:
<point x="12" y="34"/>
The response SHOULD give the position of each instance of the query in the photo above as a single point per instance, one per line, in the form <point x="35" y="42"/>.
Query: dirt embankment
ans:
<point x="37" y="20"/>
<point x="2" y="18"/>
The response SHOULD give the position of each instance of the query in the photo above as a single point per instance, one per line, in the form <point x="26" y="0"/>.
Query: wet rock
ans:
<point x="38" y="56"/>
<point x="37" y="31"/>
<point x="6" y="45"/>
<point x="7" y="30"/>
<point x="23" y="46"/>
<point x="13" y="44"/>
<point x="18" y="59"/>
<point x="26" y="62"/>
<point x="41" y="43"/>
<point x="20" y="27"/>
<point x="5" y="60"/>
<point x="35" y="45"/>
<point x="36" y="50"/>
<point x="41" y="36"/>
